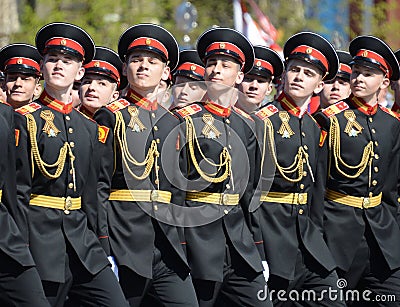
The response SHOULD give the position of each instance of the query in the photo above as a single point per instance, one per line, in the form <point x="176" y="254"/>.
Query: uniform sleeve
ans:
<point x="106" y="169"/>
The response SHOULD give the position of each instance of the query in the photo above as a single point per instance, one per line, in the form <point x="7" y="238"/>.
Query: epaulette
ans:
<point x="189" y="110"/>
<point x="267" y="111"/>
<point x="394" y="114"/>
<point x="83" y="114"/>
<point x="29" y="108"/>
<point x="117" y="105"/>
<point x="243" y="113"/>
<point x="335" y="108"/>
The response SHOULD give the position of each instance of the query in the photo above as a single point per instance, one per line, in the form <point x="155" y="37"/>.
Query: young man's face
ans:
<point x="224" y="70"/>
<point x="61" y="70"/>
<point x="186" y="91"/>
<point x="97" y="91"/>
<point x="255" y="88"/>
<point x="21" y="88"/>
<point x="334" y="91"/>
<point x="145" y="70"/>
<point x="365" y="82"/>
<point x="302" y="79"/>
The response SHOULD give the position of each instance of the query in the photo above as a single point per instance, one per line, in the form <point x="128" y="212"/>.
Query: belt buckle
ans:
<point x="154" y="195"/>
<point x="225" y="199"/>
<point x="366" y="202"/>
<point x="300" y="199"/>
<point x="67" y="205"/>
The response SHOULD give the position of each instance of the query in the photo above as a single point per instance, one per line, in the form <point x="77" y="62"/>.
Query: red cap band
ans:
<point x="344" y="68"/>
<point x="192" y="67"/>
<point x="229" y="47"/>
<point x="264" y="64"/>
<point x="22" y="61"/>
<point x="312" y="52"/>
<point x="385" y="67"/>
<point x="105" y="65"/>
<point x="66" y="42"/>
<point x="149" y="42"/>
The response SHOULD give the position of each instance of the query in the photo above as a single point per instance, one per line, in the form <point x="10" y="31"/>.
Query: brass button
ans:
<point x="305" y="147"/>
<point x="72" y="144"/>
<point x="301" y="186"/>
<point x="301" y="211"/>
<point x="226" y="211"/>
<point x="303" y="133"/>
<point x="373" y="130"/>
<point x="71" y="130"/>
<point x="370" y="119"/>
<point x="228" y="121"/>
<point x="70" y="185"/>
<point x="228" y="186"/>
<point x="376" y="156"/>
<point x="158" y="141"/>
<point x="155" y="128"/>
<point x="153" y="115"/>
<point x="374" y="182"/>
<point x="158" y="167"/>
<point x="156" y="181"/>
<point x="155" y="207"/>
<point x="67" y="117"/>
<point x="229" y="146"/>
<point x="304" y="160"/>
<point x="71" y="171"/>
<point x="304" y="173"/>
<point x="229" y="133"/>
<point x="376" y="169"/>
<point x="376" y="143"/>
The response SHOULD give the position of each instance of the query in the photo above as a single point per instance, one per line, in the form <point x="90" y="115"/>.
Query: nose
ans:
<point x="18" y="81"/>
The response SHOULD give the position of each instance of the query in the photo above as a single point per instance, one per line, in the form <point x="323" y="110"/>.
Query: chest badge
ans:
<point x="135" y="123"/>
<point x="49" y="126"/>
<point x="353" y="128"/>
<point x="209" y="130"/>
<point x="285" y="130"/>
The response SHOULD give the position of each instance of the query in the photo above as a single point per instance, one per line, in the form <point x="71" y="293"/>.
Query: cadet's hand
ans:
<point x="114" y="266"/>
<point x="266" y="270"/>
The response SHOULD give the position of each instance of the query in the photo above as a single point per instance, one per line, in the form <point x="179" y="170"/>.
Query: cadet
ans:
<point x="220" y="146"/>
<point x="136" y="192"/>
<point x="99" y="85"/>
<point x="287" y="225"/>
<point x="21" y="65"/>
<point x="395" y="86"/>
<point x="258" y="83"/>
<point x="57" y="172"/>
<point x="189" y="76"/>
<point x="338" y="88"/>
<point x="361" y="191"/>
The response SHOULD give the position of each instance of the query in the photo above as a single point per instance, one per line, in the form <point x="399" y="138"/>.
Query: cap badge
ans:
<point x="258" y="63"/>
<point x="309" y="50"/>
<point x="193" y="67"/>
<point x="365" y="54"/>
<point x="96" y="64"/>
<point x="63" y="42"/>
<point x="148" y="41"/>
<point x="19" y="61"/>
<point x="222" y="45"/>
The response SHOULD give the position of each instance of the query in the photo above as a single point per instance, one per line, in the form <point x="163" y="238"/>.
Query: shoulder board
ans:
<point x="29" y="108"/>
<point x="117" y="105"/>
<point x="189" y="110"/>
<point x="243" y="113"/>
<point x="267" y="111"/>
<point x="83" y="114"/>
<point x="390" y="112"/>
<point x="335" y="108"/>
<point x="6" y="103"/>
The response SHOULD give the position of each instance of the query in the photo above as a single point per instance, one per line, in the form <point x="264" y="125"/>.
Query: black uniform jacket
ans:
<point x="344" y="225"/>
<point x="280" y="229"/>
<point x="11" y="242"/>
<point x="130" y="230"/>
<point x="48" y="230"/>
<point x="214" y="225"/>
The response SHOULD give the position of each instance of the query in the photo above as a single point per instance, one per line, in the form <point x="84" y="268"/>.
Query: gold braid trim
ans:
<point x="151" y="157"/>
<point x="224" y="158"/>
<point x="334" y="148"/>
<point x="298" y="163"/>
<point x="35" y="154"/>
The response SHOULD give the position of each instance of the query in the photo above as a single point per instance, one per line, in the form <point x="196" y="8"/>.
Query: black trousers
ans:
<point x="166" y="288"/>
<point x="312" y="285"/>
<point x="20" y="286"/>
<point x="371" y="277"/>
<point x="240" y="286"/>
<point x="84" y="289"/>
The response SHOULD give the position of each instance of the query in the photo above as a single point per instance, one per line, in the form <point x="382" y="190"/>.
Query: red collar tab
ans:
<point x="192" y="67"/>
<point x="103" y="67"/>
<point x="310" y="51"/>
<point x="66" y="42"/>
<point x="359" y="103"/>
<point x="288" y="104"/>
<point x="217" y="109"/>
<point x="22" y="61"/>
<point x="344" y="68"/>
<point x="376" y="59"/>
<point x="149" y="43"/>
<point x="55" y="104"/>
<point x="264" y="64"/>
<point x="141" y="101"/>
<point x="227" y="49"/>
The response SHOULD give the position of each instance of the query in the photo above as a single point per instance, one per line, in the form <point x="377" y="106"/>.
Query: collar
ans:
<point x="86" y="111"/>
<point x="288" y="104"/>
<point x="217" y="109"/>
<point x="141" y="101"/>
<point x="55" y="104"/>
<point x="360" y="104"/>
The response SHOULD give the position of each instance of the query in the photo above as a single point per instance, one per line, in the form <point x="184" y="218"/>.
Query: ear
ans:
<point x="124" y="69"/>
<point x="385" y="83"/>
<point x="115" y="95"/>
<point x="239" y="77"/>
<point x="80" y="73"/>
<point x="38" y="89"/>
<point x="269" y="88"/>
<point x="166" y="71"/>
<point x="319" y="87"/>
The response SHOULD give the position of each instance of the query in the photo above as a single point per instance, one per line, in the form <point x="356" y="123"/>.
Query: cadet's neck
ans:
<point x="63" y="95"/>
<point x="150" y="94"/>
<point x="302" y="104"/>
